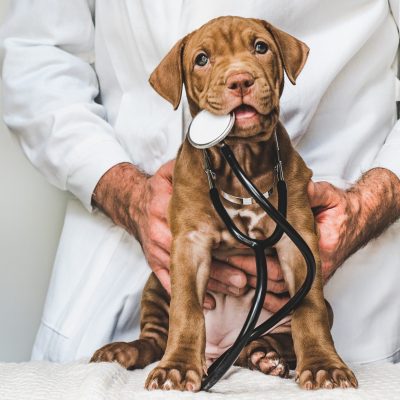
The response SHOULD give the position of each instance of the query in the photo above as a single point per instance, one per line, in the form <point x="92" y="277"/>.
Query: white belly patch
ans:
<point x="223" y="324"/>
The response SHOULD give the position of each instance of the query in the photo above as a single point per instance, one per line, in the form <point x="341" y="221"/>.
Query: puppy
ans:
<point x="232" y="64"/>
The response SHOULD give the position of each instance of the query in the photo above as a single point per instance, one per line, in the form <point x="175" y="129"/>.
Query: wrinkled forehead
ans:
<point x="227" y="35"/>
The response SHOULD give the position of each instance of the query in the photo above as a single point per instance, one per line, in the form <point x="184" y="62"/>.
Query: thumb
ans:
<point x="164" y="278"/>
<point x="167" y="170"/>
<point x="320" y="194"/>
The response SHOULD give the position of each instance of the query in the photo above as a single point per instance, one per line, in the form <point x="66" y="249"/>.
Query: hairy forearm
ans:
<point x="375" y="202"/>
<point x="118" y="195"/>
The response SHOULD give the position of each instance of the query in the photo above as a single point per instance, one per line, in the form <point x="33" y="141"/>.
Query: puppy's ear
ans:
<point x="167" y="78"/>
<point x="293" y="51"/>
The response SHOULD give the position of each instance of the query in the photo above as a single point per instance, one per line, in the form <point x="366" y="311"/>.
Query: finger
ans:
<point x="164" y="278"/>
<point x="167" y="170"/>
<point x="248" y="265"/>
<point x="321" y="194"/>
<point x="218" y="287"/>
<point x="157" y="256"/>
<point x="274" y="303"/>
<point x="158" y="207"/>
<point x="272" y="286"/>
<point x="244" y="263"/>
<point x="161" y="236"/>
<point x="228" y="275"/>
<point x="209" y="302"/>
<point x="275" y="272"/>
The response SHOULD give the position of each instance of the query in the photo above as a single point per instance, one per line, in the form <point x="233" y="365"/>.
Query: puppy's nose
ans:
<point x="240" y="83"/>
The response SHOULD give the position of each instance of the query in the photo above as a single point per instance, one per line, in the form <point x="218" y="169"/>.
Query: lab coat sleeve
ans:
<point x="395" y="10"/>
<point x="389" y="155"/>
<point x="49" y="93"/>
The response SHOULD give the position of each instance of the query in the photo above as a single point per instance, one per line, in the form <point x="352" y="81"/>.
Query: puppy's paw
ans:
<point x="173" y="376"/>
<point x="137" y="354"/>
<point x="269" y="363"/>
<point x="262" y="355"/>
<point x="326" y="375"/>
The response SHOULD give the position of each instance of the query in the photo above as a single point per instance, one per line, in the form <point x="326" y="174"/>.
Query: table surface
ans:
<point x="80" y="380"/>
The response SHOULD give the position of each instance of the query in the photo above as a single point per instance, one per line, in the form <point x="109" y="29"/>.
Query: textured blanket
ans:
<point x="79" y="380"/>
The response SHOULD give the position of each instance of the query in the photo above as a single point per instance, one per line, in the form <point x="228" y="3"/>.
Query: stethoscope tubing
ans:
<point x="249" y="332"/>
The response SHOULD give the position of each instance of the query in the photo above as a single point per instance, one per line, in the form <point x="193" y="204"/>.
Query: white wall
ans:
<point x="31" y="216"/>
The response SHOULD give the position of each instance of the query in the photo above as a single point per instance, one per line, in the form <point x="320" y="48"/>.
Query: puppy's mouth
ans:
<point x="250" y="120"/>
<point x="244" y="112"/>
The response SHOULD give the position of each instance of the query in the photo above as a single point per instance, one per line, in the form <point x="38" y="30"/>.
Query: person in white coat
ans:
<point x="76" y="95"/>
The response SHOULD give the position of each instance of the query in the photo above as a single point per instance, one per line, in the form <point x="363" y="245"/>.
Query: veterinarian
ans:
<point x="76" y="95"/>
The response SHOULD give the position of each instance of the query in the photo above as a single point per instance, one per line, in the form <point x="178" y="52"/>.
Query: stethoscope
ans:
<point x="208" y="130"/>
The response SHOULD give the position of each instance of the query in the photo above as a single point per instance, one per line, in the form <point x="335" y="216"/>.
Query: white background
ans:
<point x="31" y="217"/>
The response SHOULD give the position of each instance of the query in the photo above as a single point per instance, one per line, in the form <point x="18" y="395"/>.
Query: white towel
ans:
<point x="109" y="381"/>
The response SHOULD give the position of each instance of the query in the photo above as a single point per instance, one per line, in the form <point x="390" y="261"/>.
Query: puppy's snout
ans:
<point x="240" y="83"/>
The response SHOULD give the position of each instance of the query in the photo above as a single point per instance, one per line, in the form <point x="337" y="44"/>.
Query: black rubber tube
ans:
<point x="223" y="363"/>
<point x="248" y="332"/>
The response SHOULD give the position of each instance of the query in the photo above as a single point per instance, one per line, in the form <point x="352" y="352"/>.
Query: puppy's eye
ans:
<point x="261" y="47"/>
<point x="201" y="59"/>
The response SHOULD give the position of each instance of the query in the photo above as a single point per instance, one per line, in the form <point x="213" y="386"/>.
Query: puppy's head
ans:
<point x="233" y="64"/>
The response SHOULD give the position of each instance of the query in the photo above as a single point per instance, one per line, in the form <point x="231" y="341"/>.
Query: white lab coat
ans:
<point x="76" y="95"/>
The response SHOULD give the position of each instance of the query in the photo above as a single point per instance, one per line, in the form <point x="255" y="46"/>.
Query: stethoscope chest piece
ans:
<point x="207" y="129"/>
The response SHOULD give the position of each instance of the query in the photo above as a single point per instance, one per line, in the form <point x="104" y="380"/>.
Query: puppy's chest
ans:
<point x="250" y="219"/>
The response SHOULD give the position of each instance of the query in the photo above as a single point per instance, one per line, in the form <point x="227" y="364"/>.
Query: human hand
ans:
<point x="345" y="219"/>
<point x="155" y="236"/>
<point x="231" y="277"/>
<point x="335" y="211"/>
<point x="139" y="203"/>
<point x="348" y="219"/>
<point x="336" y="214"/>
<point x="276" y="296"/>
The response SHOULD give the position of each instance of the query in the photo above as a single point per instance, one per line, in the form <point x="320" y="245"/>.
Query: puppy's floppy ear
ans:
<point x="167" y="78"/>
<point x="293" y="51"/>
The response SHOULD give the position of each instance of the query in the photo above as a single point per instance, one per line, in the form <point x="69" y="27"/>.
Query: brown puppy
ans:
<point x="232" y="64"/>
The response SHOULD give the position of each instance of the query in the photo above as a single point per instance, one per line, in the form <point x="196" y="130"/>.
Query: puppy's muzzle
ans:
<point x="240" y="84"/>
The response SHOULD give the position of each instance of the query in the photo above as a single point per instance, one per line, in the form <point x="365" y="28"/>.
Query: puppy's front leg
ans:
<point x="318" y="364"/>
<point x="183" y="364"/>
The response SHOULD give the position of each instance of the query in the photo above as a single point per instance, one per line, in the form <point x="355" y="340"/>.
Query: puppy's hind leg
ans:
<point x="151" y="345"/>
<point x="271" y="354"/>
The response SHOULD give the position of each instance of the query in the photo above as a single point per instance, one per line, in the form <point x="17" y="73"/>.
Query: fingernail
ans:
<point x="236" y="280"/>
<point x="234" y="290"/>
